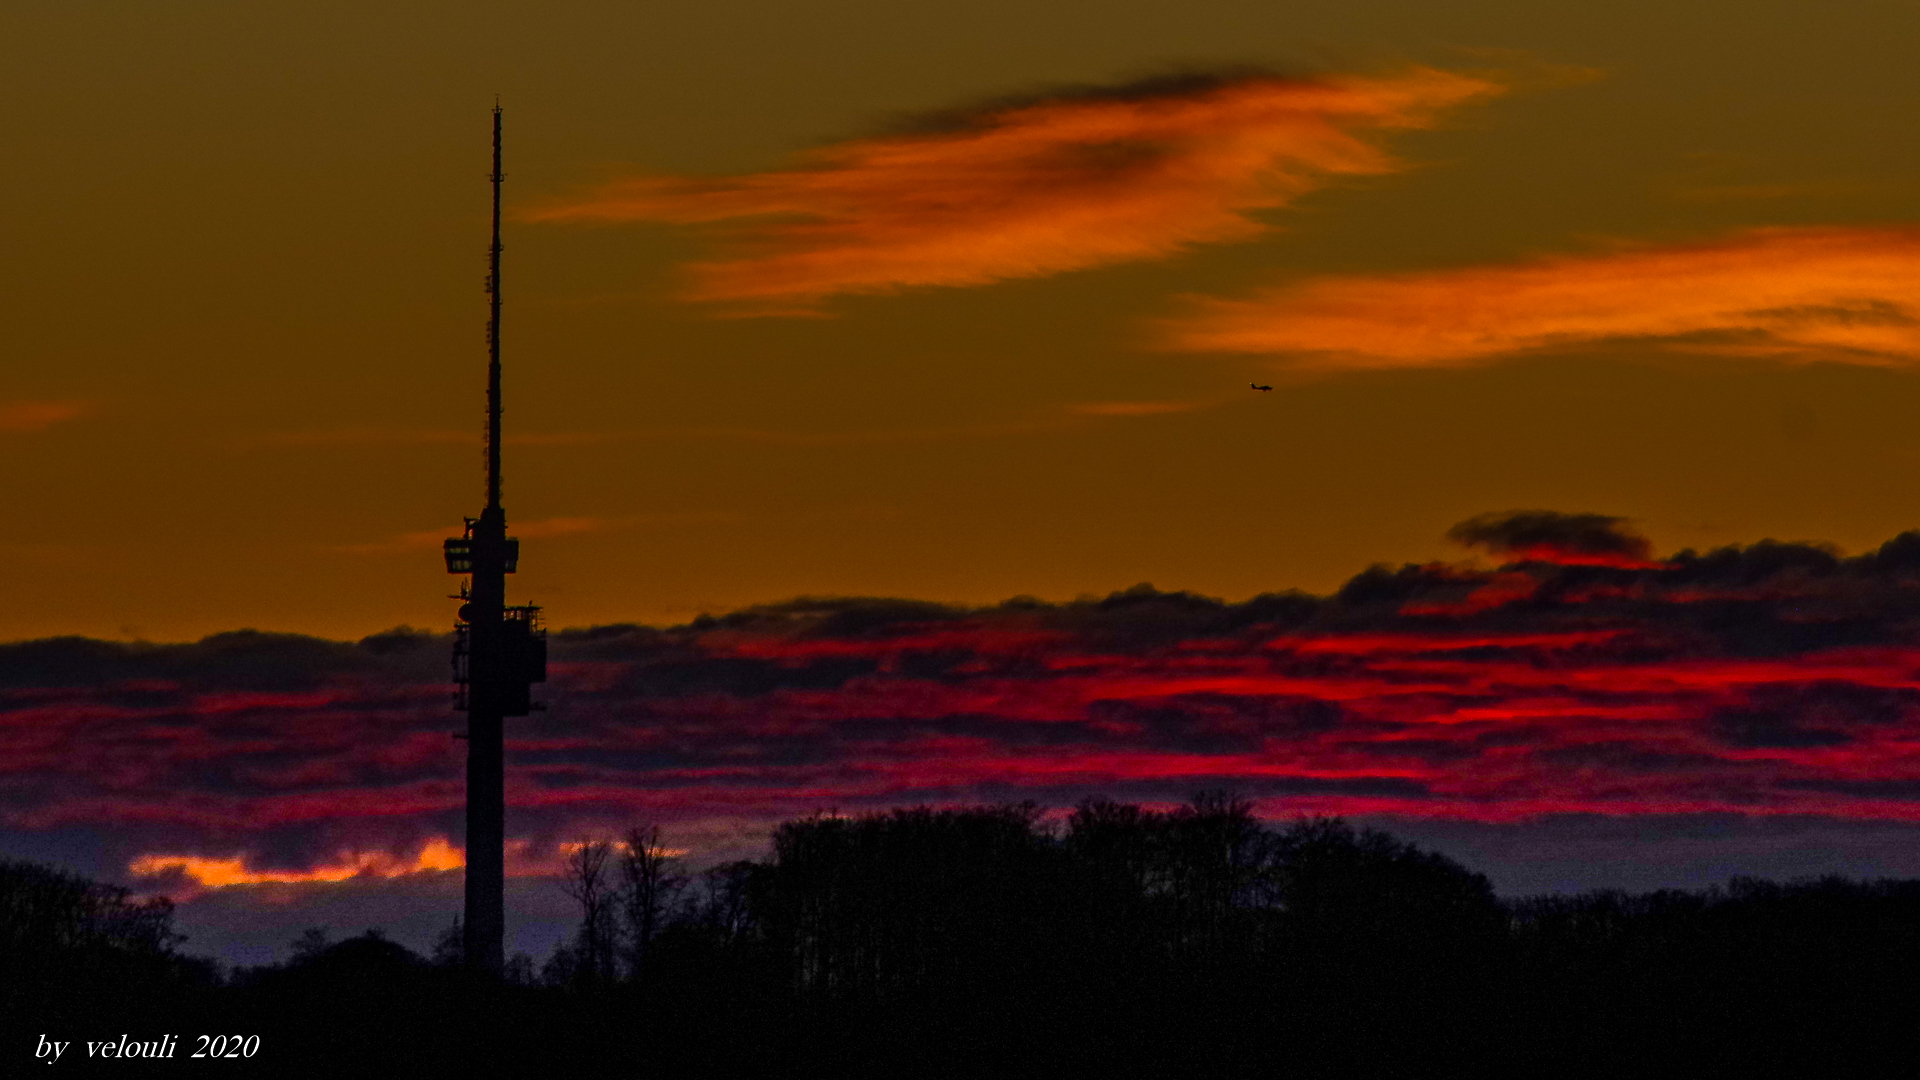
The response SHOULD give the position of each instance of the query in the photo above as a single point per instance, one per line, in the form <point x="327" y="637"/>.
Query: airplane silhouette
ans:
<point x="1257" y="386"/>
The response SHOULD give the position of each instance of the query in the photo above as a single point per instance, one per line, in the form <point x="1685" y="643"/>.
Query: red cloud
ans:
<point x="1773" y="679"/>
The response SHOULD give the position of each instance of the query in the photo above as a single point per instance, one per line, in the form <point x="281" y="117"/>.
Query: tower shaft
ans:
<point x="484" y="925"/>
<point x="498" y="652"/>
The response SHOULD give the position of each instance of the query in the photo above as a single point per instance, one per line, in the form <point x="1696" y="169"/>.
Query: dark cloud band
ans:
<point x="1772" y="679"/>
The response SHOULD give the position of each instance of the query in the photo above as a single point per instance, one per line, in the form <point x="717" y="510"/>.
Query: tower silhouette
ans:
<point x="498" y="653"/>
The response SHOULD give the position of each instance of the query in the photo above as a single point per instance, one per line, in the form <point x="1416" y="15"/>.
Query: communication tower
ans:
<point x="498" y="653"/>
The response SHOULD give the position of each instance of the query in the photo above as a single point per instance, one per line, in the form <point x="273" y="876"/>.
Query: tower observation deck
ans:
<point x="498" y="653"/>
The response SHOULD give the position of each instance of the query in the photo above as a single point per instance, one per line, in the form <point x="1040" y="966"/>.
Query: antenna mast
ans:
<point x="498" y="653"/>
<point x="493" y="328"/>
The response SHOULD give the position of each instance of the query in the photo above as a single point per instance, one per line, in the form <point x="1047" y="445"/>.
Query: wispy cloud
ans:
<point x="413" y="541"/>
<point x="1033" y="187"/>
<point x="681" y="433"/>
<point x="1757" y="191"/>
<point x="1132" y="408"/>
<point x="540" y="529"/>
<point x="1849" y="294"/>
<point x="38" y="415"/>
<point x="392" y="436"/>
<point x="197" y="873"/>
<point x="369" y="437"/>
<point x="851" y="437"/>
<point x="559" y="526"/>
<point x="429" y="539"/>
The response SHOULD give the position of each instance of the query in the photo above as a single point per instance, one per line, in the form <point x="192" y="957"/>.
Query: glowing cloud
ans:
<point x="205" y="873"/>
<point x="1035" y="187"/>
<point x="1849" y="294"/>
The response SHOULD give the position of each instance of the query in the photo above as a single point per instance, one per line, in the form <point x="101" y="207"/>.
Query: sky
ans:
<point x="959" y="305"/>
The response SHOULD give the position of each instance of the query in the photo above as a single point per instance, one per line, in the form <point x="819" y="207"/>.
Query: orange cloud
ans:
<point x="203" y="873"/>
<point x="37" y="415"/>
<point x="524" y="858"/>
<point x="1850" y="294"/>
<point x="1033" y="188"/>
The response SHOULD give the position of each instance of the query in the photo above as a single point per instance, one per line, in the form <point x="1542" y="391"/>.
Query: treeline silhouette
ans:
<point x="986" y="942"/>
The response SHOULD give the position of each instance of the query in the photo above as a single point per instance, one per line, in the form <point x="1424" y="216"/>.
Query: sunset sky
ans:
<point x="955" y="303"/>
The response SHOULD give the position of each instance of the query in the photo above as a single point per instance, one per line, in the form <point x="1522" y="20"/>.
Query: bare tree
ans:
<point x="590" y="881"/>
<point x="651" y="883"/>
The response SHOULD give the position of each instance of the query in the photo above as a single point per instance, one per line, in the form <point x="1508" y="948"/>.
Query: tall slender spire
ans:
<point x="498" y="653"/>
<point x="493" y="327"/>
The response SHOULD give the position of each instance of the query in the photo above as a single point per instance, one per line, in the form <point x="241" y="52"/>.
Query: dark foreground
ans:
<point x="978" y="943"/>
